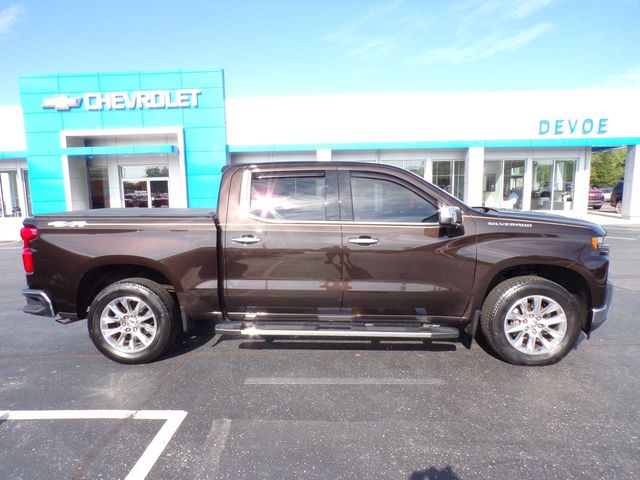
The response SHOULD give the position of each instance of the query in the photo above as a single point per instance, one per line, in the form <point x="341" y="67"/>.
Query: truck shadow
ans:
<point x="433" y="473"/>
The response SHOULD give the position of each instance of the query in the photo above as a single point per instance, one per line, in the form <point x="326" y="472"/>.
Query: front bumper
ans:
<point x="38" y="303"/>
<point x="599" y="315"/>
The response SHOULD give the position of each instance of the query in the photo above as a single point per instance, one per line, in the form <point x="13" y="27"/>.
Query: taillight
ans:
<point x="27" y="234"/>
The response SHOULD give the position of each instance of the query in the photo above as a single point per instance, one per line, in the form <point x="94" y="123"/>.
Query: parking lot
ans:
<point x="235" y="409"/>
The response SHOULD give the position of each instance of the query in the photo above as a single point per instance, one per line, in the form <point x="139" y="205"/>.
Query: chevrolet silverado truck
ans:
<point x="322" y="249"/>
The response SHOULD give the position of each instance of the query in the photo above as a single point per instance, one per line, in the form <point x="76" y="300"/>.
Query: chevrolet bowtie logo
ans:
<point x="61" y="102"/>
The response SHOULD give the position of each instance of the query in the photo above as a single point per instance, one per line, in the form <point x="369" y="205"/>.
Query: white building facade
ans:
<point x="160" y="139"/>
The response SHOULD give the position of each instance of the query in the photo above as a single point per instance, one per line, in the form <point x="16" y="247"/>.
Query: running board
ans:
<point x="433" y="332"/>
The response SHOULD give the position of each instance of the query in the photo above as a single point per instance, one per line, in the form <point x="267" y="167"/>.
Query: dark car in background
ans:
<point x="616" y="196"/>
<point x="596" y="198"/>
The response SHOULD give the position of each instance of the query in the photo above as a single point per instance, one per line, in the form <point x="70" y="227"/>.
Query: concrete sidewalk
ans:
<point x="611" y="219"/>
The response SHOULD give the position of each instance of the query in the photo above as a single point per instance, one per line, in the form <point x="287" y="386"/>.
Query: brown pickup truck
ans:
<point x="321" y="250"/>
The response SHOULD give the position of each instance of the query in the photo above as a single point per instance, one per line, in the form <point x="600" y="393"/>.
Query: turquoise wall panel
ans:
<point x="80" y="120"/>
<point x="163" y="118"/>
<point x="43" y="143"/>
<point x="45" y="167"/>
<point x="42" y="122"/>
<point x="205" y="149"/>
<point x="212" y="79"/>
<point x="203" y="187"/>
<point x="78" y="83"/>
<point x="205" y="139"/>
<point x="161" y="81"/>
<point x="32" y="102"/>
<point x="211" y="98"/>
<point x="38" y="84"/>
<point x="204" y="117"/>
<point x="205" y="163"/>
<point x="48" y="206"/>
<point x="122" y="119"/>
<point x="119" y="82"/>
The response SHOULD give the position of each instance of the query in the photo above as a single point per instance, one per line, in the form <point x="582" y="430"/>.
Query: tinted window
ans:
<point x="288" y="197"/>
<point x="378" y="200"/>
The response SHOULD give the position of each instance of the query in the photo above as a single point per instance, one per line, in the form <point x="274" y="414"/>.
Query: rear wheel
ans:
<point x="530" y="321"/>
<point x="133" y="321"/>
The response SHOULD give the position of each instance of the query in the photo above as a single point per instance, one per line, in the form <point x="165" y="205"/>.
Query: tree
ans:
<point x="607" y="168"/>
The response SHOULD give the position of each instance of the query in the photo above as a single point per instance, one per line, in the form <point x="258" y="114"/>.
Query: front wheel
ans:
<point x="132" y="321"/>
<point x="530" y="321"/>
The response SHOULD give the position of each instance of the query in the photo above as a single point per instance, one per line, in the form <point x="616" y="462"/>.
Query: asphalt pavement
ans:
<point x="240" y="409"/>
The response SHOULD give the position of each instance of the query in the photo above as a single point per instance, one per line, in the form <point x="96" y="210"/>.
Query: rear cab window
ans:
<point x="288" y="196"/>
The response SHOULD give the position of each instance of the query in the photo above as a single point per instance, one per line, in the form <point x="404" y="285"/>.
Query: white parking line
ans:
<point x="213" y="448"/>
<point x="609" y="237"/>
<point x="153" y="451"/>
<point x="344" y="381"/>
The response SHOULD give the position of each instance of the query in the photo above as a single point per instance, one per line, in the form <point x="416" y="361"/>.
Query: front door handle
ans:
<point x="246" y="239"/>
<point x="364" y="240"/>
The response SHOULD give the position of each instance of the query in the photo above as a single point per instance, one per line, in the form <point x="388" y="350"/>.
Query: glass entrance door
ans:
<point x="503" y="184"/>
<point x="552" y="184"/>
<point x="449" y="175"/>
<point x="145" y="186"/>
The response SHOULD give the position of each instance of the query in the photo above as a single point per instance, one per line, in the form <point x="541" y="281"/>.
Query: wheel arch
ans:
<point x="100" y="276"/>
<point x="564" y="276"/>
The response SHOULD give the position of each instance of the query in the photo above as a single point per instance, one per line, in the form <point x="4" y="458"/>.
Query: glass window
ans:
<point x="159" y="193"/>
<point x="378" y="200"/>
<point x="563" y="184"/>
<point x="458" y="190"/>
<point x="449" y="176"/>
<point x="415" y="166"/>
<point x="144" y="171"/>
<point x="442" y="175"/>
<point x="99" y="187"/>
<point x="552" y="184"/>
<point x="9" y="205"/>
<point x="27" y="190"/>
<point x="513" y="184"/>
<point x="491" y="185"/>
<point x="288" y="197"/>
<point x="135" y="194"/>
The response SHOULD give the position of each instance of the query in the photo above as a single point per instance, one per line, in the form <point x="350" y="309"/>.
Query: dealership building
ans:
<point x="160" y="139"/>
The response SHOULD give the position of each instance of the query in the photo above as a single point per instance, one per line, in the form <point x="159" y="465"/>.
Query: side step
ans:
<point x="244" y="329"/>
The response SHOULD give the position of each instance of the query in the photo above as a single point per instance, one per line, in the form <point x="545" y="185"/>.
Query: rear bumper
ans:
<point x="38" y="303"/>
<point x="599" y="315"/>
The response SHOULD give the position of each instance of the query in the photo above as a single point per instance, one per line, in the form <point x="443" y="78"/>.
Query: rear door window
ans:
<point x="288" y="196"/>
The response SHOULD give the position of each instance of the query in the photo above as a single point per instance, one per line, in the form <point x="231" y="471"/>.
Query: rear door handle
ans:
<point x="246" y="239"/>
<point x="363" y="240"/>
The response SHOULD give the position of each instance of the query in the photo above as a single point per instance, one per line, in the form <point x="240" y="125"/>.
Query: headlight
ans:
<point x="598" y="243"/>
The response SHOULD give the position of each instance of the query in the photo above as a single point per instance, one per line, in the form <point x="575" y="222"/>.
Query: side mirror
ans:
<point x="450" y="216"/>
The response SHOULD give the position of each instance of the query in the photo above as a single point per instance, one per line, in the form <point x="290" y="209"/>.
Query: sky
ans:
<point x="298" y="47"/>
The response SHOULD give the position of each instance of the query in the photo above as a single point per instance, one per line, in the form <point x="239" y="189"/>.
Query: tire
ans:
<point x="133" y="321"/>
<point x="516" y="334"/>
<point x="597" y="207"/>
